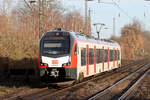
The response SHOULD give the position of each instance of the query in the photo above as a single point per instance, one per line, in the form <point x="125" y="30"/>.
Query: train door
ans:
<point x="113" y="57"/>
<point x="81" y="61"/>
<point x="78" y="61"/>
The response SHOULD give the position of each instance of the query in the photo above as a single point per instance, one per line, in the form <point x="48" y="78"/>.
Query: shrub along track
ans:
<point x="84" y="89"/>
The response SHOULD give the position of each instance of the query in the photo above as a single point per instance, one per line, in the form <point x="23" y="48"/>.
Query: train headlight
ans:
<point x="66" y="64"/>
<point x="44" y="64"/>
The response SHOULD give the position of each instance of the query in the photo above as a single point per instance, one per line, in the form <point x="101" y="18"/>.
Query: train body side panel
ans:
<point x="96" y="68"/>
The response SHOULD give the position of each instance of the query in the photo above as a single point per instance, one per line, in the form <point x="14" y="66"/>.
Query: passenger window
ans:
<point x="111" y="55"/>
<point x="115" y="54"/>
<point x="106" y="55"/>
<point x="76" y="50"/>
<point x="99" y="55"/>
<point x="118" y="55"/>
<point x="91" y="56"/>
<point x="83" y="56"/>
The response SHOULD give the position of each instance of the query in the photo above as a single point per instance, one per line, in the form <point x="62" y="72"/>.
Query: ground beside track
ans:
<point x="12" y="86"/>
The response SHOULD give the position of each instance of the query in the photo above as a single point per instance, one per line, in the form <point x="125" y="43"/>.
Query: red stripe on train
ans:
<point x="87" y="59"/>
<point x="117" y="56"/>
<point x="113" y="57"/>
<point x="108" y="57"/>
<point x="103" y="58"/>
<point x="95" y="59"/>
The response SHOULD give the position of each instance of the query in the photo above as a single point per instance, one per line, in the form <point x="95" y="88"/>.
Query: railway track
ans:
<point x="53" y="93"/>
<point x="111" y="93"/>
<point x="134" y="86"/>
<point x="142" y="90"/>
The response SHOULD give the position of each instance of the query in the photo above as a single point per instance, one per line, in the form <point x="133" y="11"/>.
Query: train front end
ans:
<point x="55" y="56"/>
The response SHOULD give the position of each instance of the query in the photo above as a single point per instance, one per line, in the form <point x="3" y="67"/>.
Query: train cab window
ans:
<point x="83" y="56"/>
<point x="106" y="56"/>
<point x="54" y="46"/>
<point x="91" y="56"/>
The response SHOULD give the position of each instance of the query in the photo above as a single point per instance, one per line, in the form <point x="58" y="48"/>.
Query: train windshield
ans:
<point x="56" y="46"/>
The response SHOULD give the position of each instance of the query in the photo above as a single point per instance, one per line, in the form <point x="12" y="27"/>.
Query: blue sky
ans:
<point x="104" y="13"/>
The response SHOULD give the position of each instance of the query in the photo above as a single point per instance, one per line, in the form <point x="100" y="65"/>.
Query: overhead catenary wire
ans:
<point x="113" y="3"/>
<point x="122" y="10"/>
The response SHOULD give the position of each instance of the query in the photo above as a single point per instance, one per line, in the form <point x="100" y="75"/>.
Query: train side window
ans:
<point x="97" y="55"/>
<point x="83" y="56"/>
<point x="118" y="55"/>
<point x="111" y="55"/>
<point x="115" y="54"/>
<point x="91" y="56"/>
<point x="106" y="56"/>
<point x="75" y="51"/>
<point x="101" y="56"/>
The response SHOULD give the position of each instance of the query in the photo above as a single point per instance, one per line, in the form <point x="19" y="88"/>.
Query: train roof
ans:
<point x="82" y="37"/>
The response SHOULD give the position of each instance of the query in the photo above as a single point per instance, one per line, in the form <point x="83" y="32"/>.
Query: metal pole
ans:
<point x="114" y="26"/>
<point x="42" y="15"/>
<point x="89" y="20"/>
<point x="86" y="15"/>
<point x="39" y="18"/>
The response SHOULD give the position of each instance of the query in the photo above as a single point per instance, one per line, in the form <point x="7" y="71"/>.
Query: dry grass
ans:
<point x="10" y="86"/>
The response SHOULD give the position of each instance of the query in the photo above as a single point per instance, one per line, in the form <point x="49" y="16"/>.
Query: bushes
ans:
<point x="133" y="40"/>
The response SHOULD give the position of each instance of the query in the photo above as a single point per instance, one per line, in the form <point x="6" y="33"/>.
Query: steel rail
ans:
<point x="101" y="93"/>
<point x="133" y="86"/>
